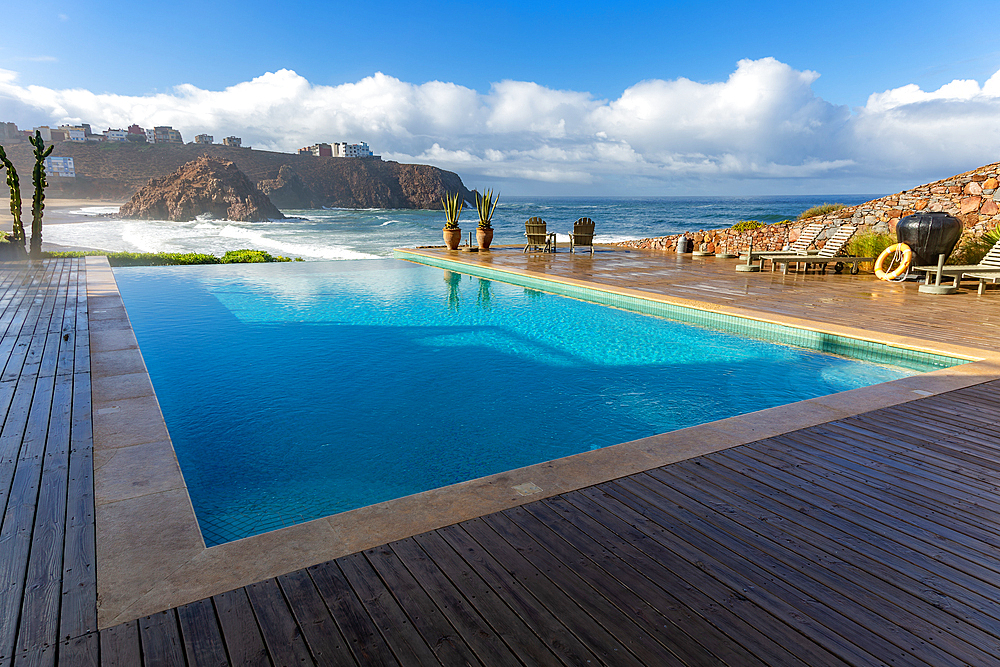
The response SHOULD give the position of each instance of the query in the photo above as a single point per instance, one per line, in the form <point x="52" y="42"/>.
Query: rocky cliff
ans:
<point x="116" y="171"/>
<point x="203" y="186"/>
<point x="971" y="197"/>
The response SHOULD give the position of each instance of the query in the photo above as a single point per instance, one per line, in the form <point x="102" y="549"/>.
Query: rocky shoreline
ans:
<point x="971" y="197"/>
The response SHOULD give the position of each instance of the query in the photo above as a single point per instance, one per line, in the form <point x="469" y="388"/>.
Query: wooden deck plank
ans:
<point x="160" y="638"/>
<point x="446" y="643"/>
<point x="739" y="618"/>
<point x="473" y="627"/>
<point x="319" y="630"/>
<point x="861" y="562"/>
<point x="774" y="597"/>
<point x="685" y="633"/>
<point x="201" y="635"/>
<point x="884" y="610"/>
<point x="15" y="533"/>
<point x="544" y="593"/>
<point x="956" y="566"/>
<point x="281" y="634"/>
<point x="84" y="651"/>
<point x="608" y="601"/>
<point x="79" y="580"/>
<point x="43" y="581"/>
<point x="240" y="632"/>
<point x="358" y="628"/>
<point x="397" y="628"/>
<point x="120" y="646"/>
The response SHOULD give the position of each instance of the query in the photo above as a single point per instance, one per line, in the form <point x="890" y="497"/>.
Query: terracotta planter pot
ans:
<point x="452" y="238"/>
<point x="484" y="237"/>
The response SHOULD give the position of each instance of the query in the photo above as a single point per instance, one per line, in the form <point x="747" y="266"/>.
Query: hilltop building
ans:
<point x="116" y="135"/>
<point x="204" y="139"/>
<point x="235" y="142"/>
<point x="163" y="134"/>
<point x="319" y="150"/>
<point x="341" y="149"/>
<point x="9" y="134"/>
<point x="344" y="149"/>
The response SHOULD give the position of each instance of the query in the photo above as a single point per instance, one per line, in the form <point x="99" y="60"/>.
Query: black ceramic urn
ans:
<point x="929" y="235"/>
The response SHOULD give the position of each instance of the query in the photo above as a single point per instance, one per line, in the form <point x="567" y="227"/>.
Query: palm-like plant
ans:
<point x="486" y="205"/>
<point x="452" y="205"/>
<point x="38" y="199"/>
<point x="13" y="183"/>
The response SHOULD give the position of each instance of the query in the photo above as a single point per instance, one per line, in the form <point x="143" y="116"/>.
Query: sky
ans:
<point x="535" y="98"/>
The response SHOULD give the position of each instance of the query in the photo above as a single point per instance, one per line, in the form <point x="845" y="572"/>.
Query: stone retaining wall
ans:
<point x="971" y="197"/>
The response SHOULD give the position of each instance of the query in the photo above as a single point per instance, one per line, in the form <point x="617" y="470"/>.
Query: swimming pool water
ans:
<point x="295" y="391"/>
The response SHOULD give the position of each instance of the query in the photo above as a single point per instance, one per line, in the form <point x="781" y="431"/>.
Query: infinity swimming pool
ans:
<point x="295" y="391"/>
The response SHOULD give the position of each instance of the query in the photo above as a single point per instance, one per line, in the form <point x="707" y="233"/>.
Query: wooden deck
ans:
<point x="868" y="540"/>
<point x="48" y="592"/>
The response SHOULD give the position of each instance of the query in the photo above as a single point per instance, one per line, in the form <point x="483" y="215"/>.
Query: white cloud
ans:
<point x="763" y="122"/>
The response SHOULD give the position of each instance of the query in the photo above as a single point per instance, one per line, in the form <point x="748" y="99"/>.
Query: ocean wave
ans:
<point x="94" y="210"/>
<point x="300" y="249"/>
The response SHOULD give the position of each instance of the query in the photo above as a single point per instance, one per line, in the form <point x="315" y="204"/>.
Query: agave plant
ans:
<point x="452" y="205"/>
<point x="486" y="205"/>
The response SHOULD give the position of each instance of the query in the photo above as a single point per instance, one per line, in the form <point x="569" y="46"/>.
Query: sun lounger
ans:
<point x="538" y="239"/>
<point x="987" y="269"/>
<point x="801" y="246"/>
<point x="829" y="253"/>
<point x="582" y="235"/>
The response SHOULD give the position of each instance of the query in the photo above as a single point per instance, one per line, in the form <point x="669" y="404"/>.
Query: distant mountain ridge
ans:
<point x="116" y="171"/>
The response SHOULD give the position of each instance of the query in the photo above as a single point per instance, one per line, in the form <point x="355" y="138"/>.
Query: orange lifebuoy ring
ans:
<point x="899" y="251"/>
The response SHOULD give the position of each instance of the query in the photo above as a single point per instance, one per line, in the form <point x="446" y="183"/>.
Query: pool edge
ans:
<point x="149" y="559"/>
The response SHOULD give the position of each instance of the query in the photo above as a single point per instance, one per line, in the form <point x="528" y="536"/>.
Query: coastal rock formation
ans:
<point x="203" y="186"/>
<point x="288" y="190"/>
<point x="116" y="171"/>
<point x="971" y="197"/>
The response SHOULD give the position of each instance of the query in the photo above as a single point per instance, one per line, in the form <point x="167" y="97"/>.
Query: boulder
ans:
<point x="206" y="185"/>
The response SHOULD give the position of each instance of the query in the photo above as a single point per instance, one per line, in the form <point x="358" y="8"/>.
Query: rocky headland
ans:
<point x="203" y="186"/>
<point x="971" y="197"/>
<point x="111" y="171"/>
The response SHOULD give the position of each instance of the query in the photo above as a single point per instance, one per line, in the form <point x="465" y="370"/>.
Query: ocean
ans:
<point x="323" y="234"/>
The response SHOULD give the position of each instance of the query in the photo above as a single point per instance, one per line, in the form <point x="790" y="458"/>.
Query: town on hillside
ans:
<point x="161" y="134"/>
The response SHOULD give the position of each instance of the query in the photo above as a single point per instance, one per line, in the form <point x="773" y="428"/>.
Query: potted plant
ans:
<point x="452" y="205"/>
<point x="486" y="205"/>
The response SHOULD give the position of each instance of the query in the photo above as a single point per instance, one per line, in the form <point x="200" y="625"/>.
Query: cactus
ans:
<point x="38" y="198"/>
<point x="452" y="205"/>
<point x="486" y="205"/>
<point x="17" y="233"/>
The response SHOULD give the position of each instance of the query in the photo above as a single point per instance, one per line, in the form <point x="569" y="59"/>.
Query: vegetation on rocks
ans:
<point x="822" y="209"/>
<point x="974" y="248"/>
<point x="176" y="258"/>
<point x="746" y="225"/>
<point x="869" y="244"/>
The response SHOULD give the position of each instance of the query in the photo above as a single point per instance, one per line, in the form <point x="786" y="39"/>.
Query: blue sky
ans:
<point x="592" y="122"/>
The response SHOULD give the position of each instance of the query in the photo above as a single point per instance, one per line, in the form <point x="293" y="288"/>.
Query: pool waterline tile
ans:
<point x="152" y="556"/>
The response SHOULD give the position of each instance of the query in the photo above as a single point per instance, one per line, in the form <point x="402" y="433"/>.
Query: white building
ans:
<point x="116" y="135"/>
<point x="60" y="166"/>
<point x="344" y="149"/>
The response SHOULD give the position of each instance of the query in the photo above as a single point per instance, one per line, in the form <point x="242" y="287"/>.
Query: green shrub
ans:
<point x="822" y="209"/>
<point x="746" y="225"/>
<point x="869" y="244"/>
<point x="175" y="258"/>
<point x="972" y="249"/>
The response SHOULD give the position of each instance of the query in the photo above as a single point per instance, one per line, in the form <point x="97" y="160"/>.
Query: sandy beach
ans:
<point x="57" y="212"/>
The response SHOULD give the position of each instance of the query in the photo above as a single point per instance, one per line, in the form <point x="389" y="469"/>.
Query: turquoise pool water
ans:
<point x="294" y="391"/>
